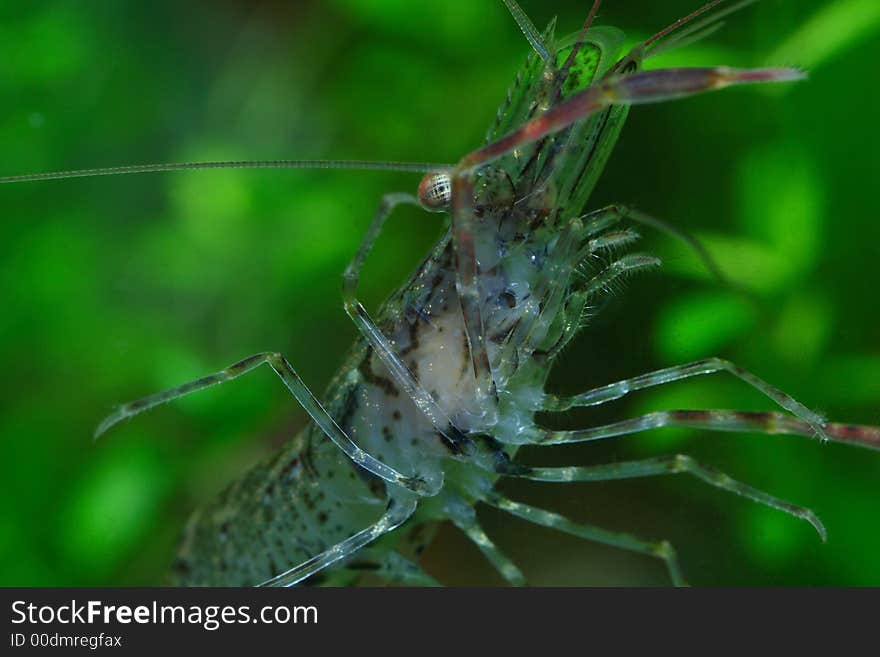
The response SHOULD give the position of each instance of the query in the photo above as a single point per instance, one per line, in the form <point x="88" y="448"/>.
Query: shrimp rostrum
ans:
<point x="444" y="384"/>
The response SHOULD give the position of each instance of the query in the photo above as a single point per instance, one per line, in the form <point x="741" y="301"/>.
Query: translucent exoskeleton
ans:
<point x="443" y="386"/>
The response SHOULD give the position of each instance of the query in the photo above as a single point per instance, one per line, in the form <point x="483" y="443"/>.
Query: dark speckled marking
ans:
<point x="351" y="405"/>
<point x="377" y="487"/>
<point x="454" y="440"/>
<point x="501" y="336"/>
<point x="385" y="384"/>
<point x="693" y="416"/>
<point x="290" y="467"/>
<point x="245" y="363"/>
<point x="413" y="338"/>
<point x="181" y="567"/>
<point x="465" y="354"/>
<point x="307" y="459"/>
<point x="439" y="274"/>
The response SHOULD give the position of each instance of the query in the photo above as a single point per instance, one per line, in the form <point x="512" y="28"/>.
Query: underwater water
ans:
<point x="118" y="287"/>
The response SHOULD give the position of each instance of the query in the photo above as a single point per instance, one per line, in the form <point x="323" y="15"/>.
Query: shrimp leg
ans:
<point x="712" y="420"/>
<point x="365" y="324"/>
<point x="398" y="512"/>
<point x="391" y="567"/>
<point x="619" y="389"/>
<point x="663" y="465"/>
<point x="464" y="517"/>
<point x="298" y="389"/>
<point x="659" y="549"/>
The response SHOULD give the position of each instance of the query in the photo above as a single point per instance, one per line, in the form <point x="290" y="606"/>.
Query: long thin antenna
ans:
<point x="529" y="30"/>
<point x="697" y="29"/>
<point x="359" y="165"/>
<point x="682" y="21"/>
<point x="583" y="35"/>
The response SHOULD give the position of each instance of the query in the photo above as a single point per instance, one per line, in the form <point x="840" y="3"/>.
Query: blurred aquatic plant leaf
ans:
<point x="782" y="201"/>
<point x="828" y="33"/>
<point x="115" y="502"/>
<point x="695" y="54"/>
<point x="744" y="261"/>
<point x="781" y="207"/>
<point x="701" y="324"/>
<point x="53" y="44"/>
<point x="772" y="539"/>
<point x="853" y="380"/>
<point x="425" y="21"/>
<point x="802" y="328"/>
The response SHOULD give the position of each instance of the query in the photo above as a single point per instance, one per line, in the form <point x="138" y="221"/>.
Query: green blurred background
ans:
<point x="117" y="287"/>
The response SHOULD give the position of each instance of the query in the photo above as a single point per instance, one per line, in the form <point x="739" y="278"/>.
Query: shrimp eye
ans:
<point x="435" y="191"/>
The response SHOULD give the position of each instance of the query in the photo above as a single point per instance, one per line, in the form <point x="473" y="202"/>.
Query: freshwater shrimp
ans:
<point x="442" y="388"/>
